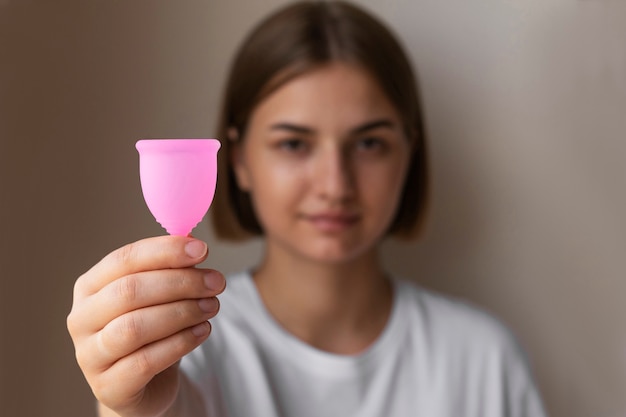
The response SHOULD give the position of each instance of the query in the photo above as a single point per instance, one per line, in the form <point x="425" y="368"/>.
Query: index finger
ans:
<point x="155" y="253"/>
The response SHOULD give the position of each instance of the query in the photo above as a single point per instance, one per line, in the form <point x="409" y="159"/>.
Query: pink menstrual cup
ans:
<point x="178" y="178"/>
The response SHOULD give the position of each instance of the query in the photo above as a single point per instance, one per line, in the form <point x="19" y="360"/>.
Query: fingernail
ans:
<point x="196" y="248"/>
<point x="214" y="281"/>
<point x="208" y="305"/>
<point x="201" y="329"/>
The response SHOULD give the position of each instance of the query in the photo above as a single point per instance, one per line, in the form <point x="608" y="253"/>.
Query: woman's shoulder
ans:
<point x="239" y="296"/>
<point x="454" y="321"/>
<point x="237" y="282"/>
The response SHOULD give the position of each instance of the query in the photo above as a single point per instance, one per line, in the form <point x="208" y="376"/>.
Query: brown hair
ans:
<point x="296" y="39"/>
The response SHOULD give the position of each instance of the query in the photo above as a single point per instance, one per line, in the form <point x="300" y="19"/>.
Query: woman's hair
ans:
<point x="297" y="39"/>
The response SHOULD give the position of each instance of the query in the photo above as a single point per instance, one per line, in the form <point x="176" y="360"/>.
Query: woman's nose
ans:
<point x="334" y="179"/>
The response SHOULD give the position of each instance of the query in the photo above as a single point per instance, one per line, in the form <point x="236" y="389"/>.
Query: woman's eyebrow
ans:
<point x="374" y="125"/>
<point x="290" y="127"/>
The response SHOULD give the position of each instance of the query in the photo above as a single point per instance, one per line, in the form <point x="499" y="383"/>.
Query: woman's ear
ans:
<point x="238" y="161"/>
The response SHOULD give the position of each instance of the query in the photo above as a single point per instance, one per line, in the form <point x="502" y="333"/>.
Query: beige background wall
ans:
<point x="526" y="108"/>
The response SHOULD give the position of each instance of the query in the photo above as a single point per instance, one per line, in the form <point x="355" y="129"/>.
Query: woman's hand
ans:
<point x="135" y="314"/>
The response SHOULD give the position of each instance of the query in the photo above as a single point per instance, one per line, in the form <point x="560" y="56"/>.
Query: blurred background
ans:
<point x="526" y="110"/>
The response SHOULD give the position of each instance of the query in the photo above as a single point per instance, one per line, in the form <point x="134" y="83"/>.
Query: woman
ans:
<point x="324" y="156"/>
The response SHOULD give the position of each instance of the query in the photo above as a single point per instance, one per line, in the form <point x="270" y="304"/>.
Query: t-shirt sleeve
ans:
<point x="198" y="369"/>
<point x="522" y="397"/>
<point x="485" y="366"/>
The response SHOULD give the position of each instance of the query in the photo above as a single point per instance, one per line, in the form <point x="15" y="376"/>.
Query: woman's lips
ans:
<point x="332" y="222"/>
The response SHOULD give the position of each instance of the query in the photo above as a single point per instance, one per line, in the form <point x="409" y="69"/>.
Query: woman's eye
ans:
<point x="292" y="145"/>
<point x="371" y="144"/>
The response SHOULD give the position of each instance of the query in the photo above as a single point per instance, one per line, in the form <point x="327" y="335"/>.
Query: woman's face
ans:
<point x="325" y="159"/>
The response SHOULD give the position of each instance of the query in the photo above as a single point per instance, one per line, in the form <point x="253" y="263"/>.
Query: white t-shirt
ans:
<point x="436" y="357"/>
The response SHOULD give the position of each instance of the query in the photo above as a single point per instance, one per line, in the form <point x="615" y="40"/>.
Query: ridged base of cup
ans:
<point x="179" y="230"/>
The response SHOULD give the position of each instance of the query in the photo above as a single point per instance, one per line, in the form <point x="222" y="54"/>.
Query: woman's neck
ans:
<point x="341" y="307"/>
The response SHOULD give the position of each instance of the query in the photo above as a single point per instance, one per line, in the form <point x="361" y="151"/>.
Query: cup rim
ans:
<point x="177" y="144"/>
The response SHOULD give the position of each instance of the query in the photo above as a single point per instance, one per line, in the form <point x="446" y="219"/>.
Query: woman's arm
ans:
<point x="188" y="402"/>
<point x="135" y="314"/>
